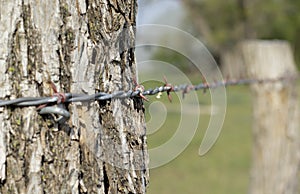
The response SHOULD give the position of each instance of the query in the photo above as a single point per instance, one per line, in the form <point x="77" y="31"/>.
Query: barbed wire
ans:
<point x="55" y="104"/>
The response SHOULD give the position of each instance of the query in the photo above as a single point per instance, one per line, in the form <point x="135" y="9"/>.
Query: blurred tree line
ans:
<point x="223" y="23"/>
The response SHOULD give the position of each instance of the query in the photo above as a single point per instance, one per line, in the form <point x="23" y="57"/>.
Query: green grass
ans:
<point x="225" y="168"/>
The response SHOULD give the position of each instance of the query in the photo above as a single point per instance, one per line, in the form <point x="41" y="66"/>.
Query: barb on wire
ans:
<point x="51" y="105"/>
<point x="170" y="90"/>
<point x="141" y="89"/>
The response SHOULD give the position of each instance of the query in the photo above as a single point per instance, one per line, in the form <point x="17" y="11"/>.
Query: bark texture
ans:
<point x="276" y="158"/>
<point x="82" y="47"/>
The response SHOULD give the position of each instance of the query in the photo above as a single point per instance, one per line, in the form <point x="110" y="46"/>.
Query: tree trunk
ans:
<point x="276" y="157"/>
<point x="82" y="47"/>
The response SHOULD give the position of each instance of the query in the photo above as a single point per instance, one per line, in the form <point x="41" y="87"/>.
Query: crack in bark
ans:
<point x="105" y="180"/>
<point x="66" y="39"/>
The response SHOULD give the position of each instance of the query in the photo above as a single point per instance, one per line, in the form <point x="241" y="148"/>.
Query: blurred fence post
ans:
<point x="275" y="164"/>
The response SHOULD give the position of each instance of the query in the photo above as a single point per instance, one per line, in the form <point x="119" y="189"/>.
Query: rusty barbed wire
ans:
<point x="54" y="104"/>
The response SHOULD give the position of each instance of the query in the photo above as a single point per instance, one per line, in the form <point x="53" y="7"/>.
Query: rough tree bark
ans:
<point x="82" y="47"/>
<point x="276" y="156"/>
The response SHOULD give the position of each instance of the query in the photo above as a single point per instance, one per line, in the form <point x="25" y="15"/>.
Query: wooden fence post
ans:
<point x="275" y="164"/>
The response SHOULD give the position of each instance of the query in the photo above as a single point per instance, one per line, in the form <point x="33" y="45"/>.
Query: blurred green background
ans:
<point x="225" y="168"/>
<point x="220" y="25"/>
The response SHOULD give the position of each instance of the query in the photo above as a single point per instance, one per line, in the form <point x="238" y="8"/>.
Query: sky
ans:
<point x="163" y="12"/>
<point x="167" y="12"/>
<point x="160" y="12"/>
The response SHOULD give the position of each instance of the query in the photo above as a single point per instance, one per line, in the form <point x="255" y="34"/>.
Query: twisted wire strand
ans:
<point x="102" y="96"/>
<point x="54" y="105"/>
